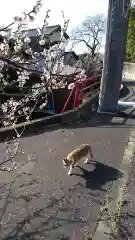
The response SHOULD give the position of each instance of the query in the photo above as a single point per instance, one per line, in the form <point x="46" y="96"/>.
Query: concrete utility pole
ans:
<point x="117" y="27"/>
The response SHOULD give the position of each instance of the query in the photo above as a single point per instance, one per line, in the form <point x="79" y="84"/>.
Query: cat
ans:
<point x="73" y="157"/>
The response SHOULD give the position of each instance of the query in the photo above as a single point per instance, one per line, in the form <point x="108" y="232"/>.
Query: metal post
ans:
<point x="117" y="26"/>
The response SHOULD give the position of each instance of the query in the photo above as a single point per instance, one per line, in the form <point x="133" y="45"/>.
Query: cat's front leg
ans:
<point x="70" y="170"/>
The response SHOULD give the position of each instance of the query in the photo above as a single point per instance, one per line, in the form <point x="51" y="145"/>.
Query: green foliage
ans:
<point x="130" y="47"/>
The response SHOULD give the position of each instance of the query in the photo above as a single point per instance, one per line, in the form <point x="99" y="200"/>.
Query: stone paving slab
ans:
<point x="127" y="223"/>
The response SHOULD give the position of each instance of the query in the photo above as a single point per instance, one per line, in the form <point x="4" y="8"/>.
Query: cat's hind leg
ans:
<point x="86" y="160"/>
<point x="91" y="154"/>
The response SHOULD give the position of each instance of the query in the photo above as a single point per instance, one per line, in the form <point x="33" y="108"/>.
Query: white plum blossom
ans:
<point x="1" y="65"/>
<point x="29" y="91"/>
<point x="27" y="40"/>
<point x="42" y="78"/>
<point x="18" y="47"/>
<point x="1" y="75"/>
<point x="71" y="86"/>
<point x="42" y="42"/>
<point x="43" y="105"/>
<point x="22" y="78"/>
<point x="4" y="49"/>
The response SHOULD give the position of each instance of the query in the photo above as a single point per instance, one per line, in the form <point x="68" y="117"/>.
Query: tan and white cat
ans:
<point x="73" y="157"/>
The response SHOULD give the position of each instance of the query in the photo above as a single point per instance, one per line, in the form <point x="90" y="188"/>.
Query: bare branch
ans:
<point x="18" y="65"/>
<point x="91" y="33"/>
<point x="34" y="10"/>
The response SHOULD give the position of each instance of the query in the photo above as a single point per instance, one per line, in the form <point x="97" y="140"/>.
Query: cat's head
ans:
<point x="65" y="162"/>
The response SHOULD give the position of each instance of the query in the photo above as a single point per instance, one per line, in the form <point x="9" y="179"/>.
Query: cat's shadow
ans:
<point x="99" y="176"/>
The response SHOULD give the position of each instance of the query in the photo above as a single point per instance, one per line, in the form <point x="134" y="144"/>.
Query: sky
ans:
<point x="74" y="10"/>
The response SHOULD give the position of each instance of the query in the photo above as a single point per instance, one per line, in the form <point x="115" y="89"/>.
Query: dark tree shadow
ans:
<point x="49" y="220"/>
<point x="52" y="216"/>
<point x="124" y="91"/>
<point x="130" y="92"/>
<point x="57" y="213"/>
<point x="98" y="177"/>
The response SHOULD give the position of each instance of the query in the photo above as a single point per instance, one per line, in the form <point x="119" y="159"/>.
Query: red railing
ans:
<point x="68" y="99"/>
<point x="78" y="91"/>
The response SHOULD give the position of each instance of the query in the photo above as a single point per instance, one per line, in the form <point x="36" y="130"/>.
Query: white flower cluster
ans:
<point x="3" y="82"/>
<point x="43" y="105"/>
<point x="37" y="89"/>
<point x="27" y="40"/>
<point x="9" y="104"/>
<point x="42" y="42"/>
<point x="22" y="78"/>
<point x="53" y="58"/>
<point x="52" y="65"/>
<point x="4" y="49"/>
<point x="1" y="75"/>
<point x="12" y="109"/>
<point x="9" y="109"/>
<point x="18" y="45"/>
<point x="59" y="66"/>
<point x="1" y="65"/>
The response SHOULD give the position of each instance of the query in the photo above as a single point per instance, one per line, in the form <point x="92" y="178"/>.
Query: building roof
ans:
<point x="67" y="70"/>
<point x="72" y="53"/>
<point x="52" y="29"/>
<point x="49" y="30"/>
<point x="35" y="32"/>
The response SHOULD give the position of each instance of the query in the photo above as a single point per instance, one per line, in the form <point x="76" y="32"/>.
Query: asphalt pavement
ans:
<point x="38" y="199"/>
